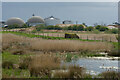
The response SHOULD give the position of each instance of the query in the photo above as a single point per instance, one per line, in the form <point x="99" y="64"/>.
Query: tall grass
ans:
<point x="14" y="42"/>
<point x="41" y="65"/>
<point x="111" y="75"/>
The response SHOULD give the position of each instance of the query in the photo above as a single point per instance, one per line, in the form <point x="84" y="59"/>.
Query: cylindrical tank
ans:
<point x="14" y="20"/>
<point x="35" y="20"/>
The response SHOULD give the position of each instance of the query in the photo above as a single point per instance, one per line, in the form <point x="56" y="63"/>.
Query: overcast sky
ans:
<point x="60" y="0"/>
<point x="83" y="12"/>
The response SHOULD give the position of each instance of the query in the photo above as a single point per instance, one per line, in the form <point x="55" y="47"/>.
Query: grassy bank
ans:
<point x="44" y="37"/>
<point x="44" y="66"/>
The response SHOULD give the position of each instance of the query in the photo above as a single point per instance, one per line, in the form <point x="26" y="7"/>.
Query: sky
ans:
<point x="60" y="0"/>
<point x="83" y="12"/>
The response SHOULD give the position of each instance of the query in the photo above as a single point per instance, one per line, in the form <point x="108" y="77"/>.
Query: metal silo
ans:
<point x="14" y="20"/>
<point x="35" y="20"/>
<point x="51" y="21"/>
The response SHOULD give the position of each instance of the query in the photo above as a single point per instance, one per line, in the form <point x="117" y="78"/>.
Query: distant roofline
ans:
<point x="52" y="17"/>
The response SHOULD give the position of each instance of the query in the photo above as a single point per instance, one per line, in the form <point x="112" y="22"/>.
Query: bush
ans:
<point x="76" y="28"/>
<point x="13" y="26"/>
<point x="25" y="26"/>
<point x="71" y="35"/>
<point x="90" y="28"/>
<point x="53" y="28"/>
<point x="77" y="72"/>
<point x="96" y="31"/>
<point x="18" y="52"/>
<point x="110" y="74"/>
<point x="114" y="53"/>
<point x="7" y="64"/>
<point x="73" y="71"/>
<point x="114" y="31"/>
<point x="41" y="65"/>
<point x="80" y="28"/>
<point x="101" y="28"/>
<point x="34" y="31"/>
<point x="68" y="58"/>
<point x="25" y="63"/>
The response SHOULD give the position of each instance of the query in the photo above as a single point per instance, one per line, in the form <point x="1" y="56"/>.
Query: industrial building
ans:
<point x="14" y="20"/>
<point x="51" y="21"/>
<point x="2" y="23"/>
<point x="35" y="20"/>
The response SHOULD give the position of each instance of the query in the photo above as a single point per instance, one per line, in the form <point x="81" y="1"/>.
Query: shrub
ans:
<point x="76" y="28"/>
<point x="34" y="31"/>
<point x="72" y="72"/>
<point x="103" y="28"/>
<point x="41" y="65"/>
<point x="96" y="31"/>
<point x="90" y="28"/>
<point x="76" y="71"/>
<point x="53" y="27"/>
<point x="68" y="57"/>
<point x="25" y="63"/>
<point x="80" y="28"/>
<point x="114" y="31"/>
<point x="114" y="52"/>
<point x="13" y="26"/>
<point x="71" y="35"/>
<point x="18" y="52"/>
<point x="40" y="27"/>
<point x="7" y="64"/>
<point x="25" y="26"/>
<point x="110" y="74"/>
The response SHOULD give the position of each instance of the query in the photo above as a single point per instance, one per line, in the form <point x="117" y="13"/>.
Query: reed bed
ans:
<point x="11" y="41"/>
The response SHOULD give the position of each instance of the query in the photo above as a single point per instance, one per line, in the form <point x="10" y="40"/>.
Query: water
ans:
<point x="93" y="66"/>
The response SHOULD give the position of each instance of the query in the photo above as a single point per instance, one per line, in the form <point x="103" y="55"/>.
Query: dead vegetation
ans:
<point x="19" y="44"/>
<point x="41" y="65"/>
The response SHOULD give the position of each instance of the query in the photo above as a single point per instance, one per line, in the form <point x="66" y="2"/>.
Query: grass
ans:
<point x="15" y="73"/>
<point x="10" y="68"/>
<point x="35" y="56"/>
<point x="45" y="37"/>
<point x="73" y="71"/>
<point x="43" y="64"/>
<point x="110" y="75"/>
<point x="16" y="44"/>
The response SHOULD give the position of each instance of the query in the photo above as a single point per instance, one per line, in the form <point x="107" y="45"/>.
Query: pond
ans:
<point x="95" y="66"/>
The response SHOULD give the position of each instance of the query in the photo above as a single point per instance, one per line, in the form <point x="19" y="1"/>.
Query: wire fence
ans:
<point x="100" y="37"/>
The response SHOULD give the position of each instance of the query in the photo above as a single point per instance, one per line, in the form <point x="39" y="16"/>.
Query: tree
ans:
<point x="98" y="27"/>
<point x="103" y="28"/>
<point x="13" y="26"/>
<point x="24" y="26"/>
<point x="80" y="28"/>
<point x="90" y="28"/>
<point x="115" y="31"/>
<point x="84" y="24"/>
